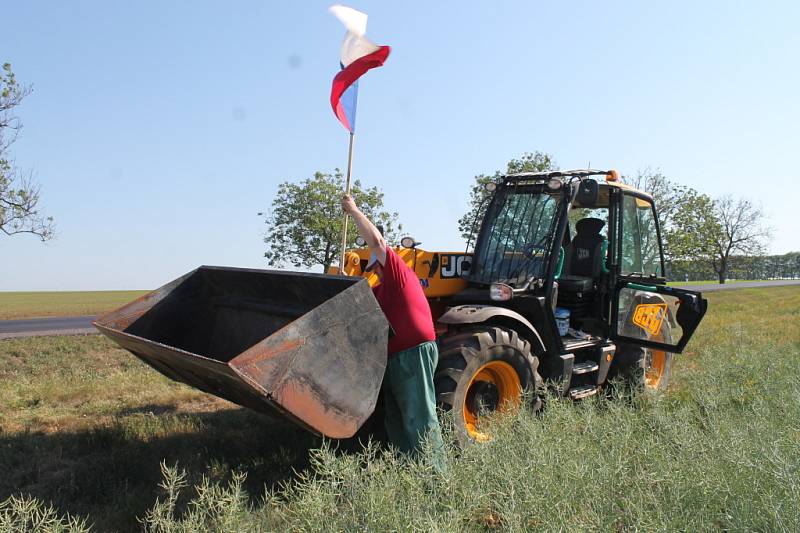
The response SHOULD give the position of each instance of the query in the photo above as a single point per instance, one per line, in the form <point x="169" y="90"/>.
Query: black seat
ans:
<point x="576" y="283"/>
<point x="585" y="252"/>
<point x="583" y="261"/>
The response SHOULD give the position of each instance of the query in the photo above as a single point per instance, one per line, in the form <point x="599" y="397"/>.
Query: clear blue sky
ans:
<point x="159" y="129"/>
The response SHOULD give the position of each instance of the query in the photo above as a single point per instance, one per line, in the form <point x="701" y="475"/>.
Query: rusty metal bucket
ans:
<point x="307" y="347"/>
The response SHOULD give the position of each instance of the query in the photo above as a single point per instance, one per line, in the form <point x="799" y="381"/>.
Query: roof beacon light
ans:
<point x="612" y="175"/>
<point x="500" y="292"/>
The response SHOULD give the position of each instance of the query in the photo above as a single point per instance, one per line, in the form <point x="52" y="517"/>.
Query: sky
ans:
<point x="158" y="130"/>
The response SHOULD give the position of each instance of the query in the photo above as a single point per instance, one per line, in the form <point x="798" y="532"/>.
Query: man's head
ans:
<point x="373" y="265"/>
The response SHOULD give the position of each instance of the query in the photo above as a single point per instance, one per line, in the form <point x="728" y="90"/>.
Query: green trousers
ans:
<point x="411" y="402"/>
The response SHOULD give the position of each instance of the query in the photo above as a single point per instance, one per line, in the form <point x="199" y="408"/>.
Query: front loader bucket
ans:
<point x="307" y="347"/>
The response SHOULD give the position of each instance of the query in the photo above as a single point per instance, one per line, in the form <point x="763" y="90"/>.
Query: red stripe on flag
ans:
<point x="346" y="77"/>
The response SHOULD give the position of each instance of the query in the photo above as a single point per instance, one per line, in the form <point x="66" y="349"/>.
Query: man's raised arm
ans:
<point x="366" y="229"/>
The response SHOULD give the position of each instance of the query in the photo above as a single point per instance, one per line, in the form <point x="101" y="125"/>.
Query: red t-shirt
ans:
<point x="403" y="302"/>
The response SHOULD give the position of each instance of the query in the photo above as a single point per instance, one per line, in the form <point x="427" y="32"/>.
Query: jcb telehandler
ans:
<point x="565" y="286"/>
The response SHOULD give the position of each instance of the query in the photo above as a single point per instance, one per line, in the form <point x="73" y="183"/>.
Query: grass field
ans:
<point x="84" y="427"/>
<point x="42" y="304"/>
<point x="14" y="305"/>
<point x="711" y="282"/>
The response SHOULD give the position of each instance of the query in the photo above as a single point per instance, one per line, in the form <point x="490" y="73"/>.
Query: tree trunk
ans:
<point x="328" y="258"/>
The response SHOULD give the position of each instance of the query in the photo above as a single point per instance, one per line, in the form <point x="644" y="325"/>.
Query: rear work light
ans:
<point x="500" y="292"/>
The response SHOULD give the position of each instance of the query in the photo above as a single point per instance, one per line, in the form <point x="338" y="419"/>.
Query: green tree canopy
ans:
<point x="469" y="223"/>
<point x="713" y="231"/>
<point x="19" y="195"/>
<point x="304" y="223"/>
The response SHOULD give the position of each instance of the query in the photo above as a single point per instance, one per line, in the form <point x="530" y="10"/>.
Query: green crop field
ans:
<point x="85" y="428"/>
<point x="15" y="305"/>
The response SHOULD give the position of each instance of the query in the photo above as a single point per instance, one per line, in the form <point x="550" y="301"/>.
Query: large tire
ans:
<point x="483" y="369"/>
<point x="642" y="369"/>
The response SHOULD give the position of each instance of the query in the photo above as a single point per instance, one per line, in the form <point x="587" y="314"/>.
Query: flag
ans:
<point x="357" y="56"/>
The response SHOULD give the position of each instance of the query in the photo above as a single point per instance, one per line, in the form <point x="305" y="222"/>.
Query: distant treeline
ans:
<point x="786" y="266"/>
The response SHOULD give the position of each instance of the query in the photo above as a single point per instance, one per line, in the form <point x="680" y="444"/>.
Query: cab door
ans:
<point x="644" y="310"/>
<point x="655" y="316"/>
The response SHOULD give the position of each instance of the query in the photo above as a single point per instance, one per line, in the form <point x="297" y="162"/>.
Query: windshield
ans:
<point x="516" y="237"/>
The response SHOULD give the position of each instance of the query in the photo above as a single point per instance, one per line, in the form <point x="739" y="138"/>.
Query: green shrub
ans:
<point x="26" y="515"/>
<point x="720" y="450"/>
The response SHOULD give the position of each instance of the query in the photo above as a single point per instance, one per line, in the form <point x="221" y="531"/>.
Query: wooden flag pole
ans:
<point x="346" y="191"/>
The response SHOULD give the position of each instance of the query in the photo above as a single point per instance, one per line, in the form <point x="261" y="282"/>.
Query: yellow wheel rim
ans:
<point x="497" y="384"/>
<point x="655" y="363"/>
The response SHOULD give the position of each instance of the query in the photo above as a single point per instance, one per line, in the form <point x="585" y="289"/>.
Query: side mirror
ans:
<point x="588" y="193"/>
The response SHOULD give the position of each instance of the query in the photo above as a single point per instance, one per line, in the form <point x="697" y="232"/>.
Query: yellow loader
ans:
<point x="565" y="286"/>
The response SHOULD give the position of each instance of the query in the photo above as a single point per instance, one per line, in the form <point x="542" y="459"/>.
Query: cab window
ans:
<point x="641" y="252"/>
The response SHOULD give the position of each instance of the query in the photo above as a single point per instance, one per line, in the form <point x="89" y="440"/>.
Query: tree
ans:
<point x="667" y="195"/>
<point x="19" y="195"/>
<point x="469" y="223"/>
<point x="690" y="236"/>
<point x="713" y="231"/>
<point x="305" y="220"/>
<point x="742" y="231"/>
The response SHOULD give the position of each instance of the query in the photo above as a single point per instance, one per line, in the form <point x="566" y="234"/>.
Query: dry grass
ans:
<point x="15" y="305"/>
<point x="84" y="426"/>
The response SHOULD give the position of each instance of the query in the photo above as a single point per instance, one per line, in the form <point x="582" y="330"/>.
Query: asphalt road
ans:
<point x="62" y="325"/>
<point x="82" y="325"/>
<point x="740" y="285"/>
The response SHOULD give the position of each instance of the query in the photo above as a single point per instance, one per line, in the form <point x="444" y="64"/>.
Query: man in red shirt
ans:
<point x="408" y="383"/>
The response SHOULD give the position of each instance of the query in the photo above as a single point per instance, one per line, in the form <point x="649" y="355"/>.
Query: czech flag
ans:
<point x="358" y="55"/>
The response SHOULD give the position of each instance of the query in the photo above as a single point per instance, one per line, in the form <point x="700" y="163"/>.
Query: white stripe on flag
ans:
<point x="355" y="45"/>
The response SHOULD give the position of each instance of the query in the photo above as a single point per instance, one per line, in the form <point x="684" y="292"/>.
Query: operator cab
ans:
<point x="577" y="239"/>
<point x="584" y="264"/>
<point x="585" y="257"/>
